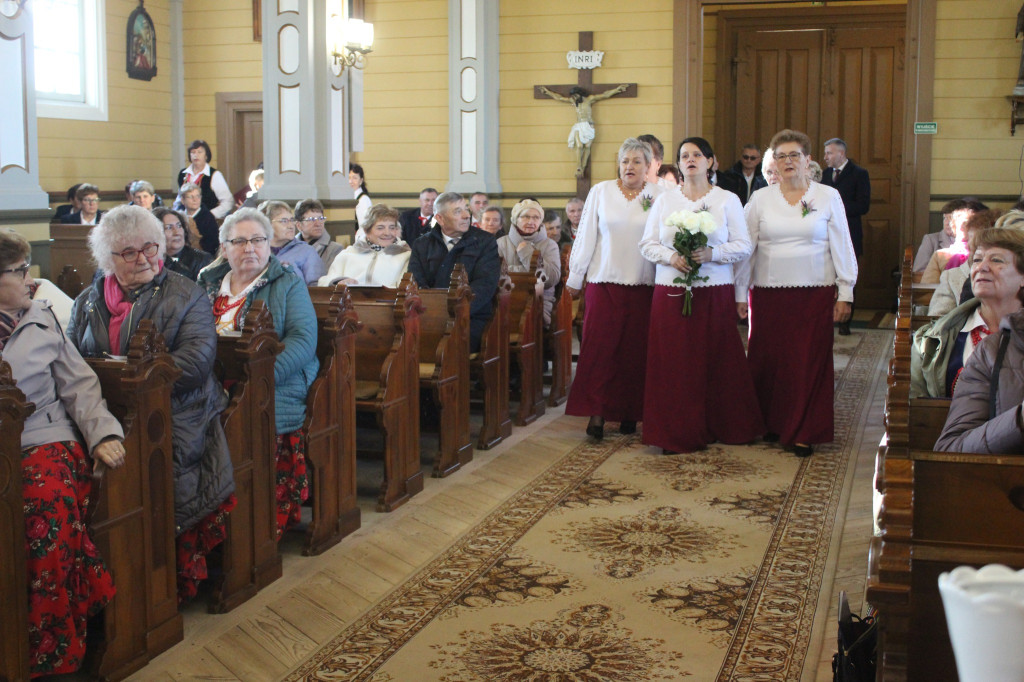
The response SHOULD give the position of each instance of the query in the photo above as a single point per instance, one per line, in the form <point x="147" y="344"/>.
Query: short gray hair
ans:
<point x="242" y="215"/>
<point x="633" y="144"/>
<point x="189" y="187"/>
<point x="141" y="186"/>
<point x="120" y="225"/>
<point x="837" y="142"/>
<point x="270" y="207"/>
<point x="444" y="201"/>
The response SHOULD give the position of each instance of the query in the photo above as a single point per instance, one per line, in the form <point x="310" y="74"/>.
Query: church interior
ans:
<point x="501" y="569"/>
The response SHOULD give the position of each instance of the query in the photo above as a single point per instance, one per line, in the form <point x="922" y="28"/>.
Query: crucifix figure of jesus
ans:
<point x="582" y="95"/>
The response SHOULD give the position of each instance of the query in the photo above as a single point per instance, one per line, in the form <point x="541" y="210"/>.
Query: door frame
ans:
<point x="229" y="108"/>
<point x="919" y="88"/>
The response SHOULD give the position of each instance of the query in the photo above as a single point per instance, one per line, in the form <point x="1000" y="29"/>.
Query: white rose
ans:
<point x="691" y="222"/>
<point x="707" y="223"/>
<point x="675" y="219"/>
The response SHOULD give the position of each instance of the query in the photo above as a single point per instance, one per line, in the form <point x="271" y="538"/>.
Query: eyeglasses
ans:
<point x="240" y="242"/>
<point x="313" y="219"/>
<point x="93" y="200"/>
<point x="20" y="271"/>
<point x="746" y="157"/>
<point x="287" y="221"/>
<point x="792" y="156"/>
<point x="132" y="255"/>
<point x="173" y="226"/>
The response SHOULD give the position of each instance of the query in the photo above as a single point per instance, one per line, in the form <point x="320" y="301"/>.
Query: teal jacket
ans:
<point x="932" y="346"/>
<point x="287" y="297"/>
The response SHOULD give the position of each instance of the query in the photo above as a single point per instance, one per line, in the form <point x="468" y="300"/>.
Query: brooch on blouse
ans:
<point x="806" y="208"/>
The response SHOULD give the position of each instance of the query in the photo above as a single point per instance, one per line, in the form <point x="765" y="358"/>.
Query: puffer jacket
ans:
<point x="288" y="299"/>
<point x="931" y="348"/>
<point x="203" y="476"/>
<point x="968" y="427"/>
<point x="303" y="258"/>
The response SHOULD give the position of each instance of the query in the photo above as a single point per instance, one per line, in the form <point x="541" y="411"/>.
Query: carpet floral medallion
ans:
<point x="621" y="564"/>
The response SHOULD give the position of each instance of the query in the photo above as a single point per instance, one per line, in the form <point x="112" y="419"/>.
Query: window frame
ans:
<point x="94" y="71"/>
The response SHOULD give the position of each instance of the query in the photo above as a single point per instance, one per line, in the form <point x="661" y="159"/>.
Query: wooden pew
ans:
<point x="558" y="340"/>
<point x="387" y="386"/>
<point x="489" y="368"/>
<point x="444" y="368"/>
<point x="526" y="335"/>
<point x="132" y="519"/>
<point x="70" y="281"/>
<point x="14" y="410"/>
<point x="250" y="556"/>
<point x="331" y="422"/>
<point x="70" y="247"/>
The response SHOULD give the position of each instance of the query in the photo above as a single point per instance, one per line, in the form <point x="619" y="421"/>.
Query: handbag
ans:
<point x="858" y="644"/>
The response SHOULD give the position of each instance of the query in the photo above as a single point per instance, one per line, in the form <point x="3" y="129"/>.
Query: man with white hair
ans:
<point x="452" y="240"/>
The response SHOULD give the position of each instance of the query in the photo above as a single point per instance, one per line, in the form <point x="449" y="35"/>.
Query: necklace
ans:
<point x="222" y="306"/>
<point x="630" y="194"/>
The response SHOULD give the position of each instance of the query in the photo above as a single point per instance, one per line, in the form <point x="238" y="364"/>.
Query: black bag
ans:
<point x="858" y="643"/>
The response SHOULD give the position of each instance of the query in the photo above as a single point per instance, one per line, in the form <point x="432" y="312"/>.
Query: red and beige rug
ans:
<point x="624" y="565"/>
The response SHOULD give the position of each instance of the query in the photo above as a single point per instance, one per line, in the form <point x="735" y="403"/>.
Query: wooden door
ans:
<point x="239" y="136"/>
<point x="830" y="73"/>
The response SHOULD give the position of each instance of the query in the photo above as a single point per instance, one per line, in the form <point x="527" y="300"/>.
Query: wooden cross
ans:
<point x="585" y="81"/>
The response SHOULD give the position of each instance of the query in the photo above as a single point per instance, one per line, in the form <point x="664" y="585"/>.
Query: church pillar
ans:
<point x="473" y="80"/>
<point x="23" y="203"/>
<point x="307" y="124"/>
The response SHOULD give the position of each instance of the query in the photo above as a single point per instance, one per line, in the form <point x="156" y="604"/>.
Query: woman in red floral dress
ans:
<point x="67" y="581"/>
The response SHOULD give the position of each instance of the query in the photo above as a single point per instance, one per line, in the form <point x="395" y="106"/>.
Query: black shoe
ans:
<point x="844" y="329"/>
<point x="770" y="438"/>
<point x="596" y="431"/>
<point x="666" y="451"/>
<point x="627" y="427"/>
<point x="803" y="450"/>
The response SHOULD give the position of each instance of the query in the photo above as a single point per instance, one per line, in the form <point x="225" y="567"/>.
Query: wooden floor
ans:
<point x="283" y="624"/>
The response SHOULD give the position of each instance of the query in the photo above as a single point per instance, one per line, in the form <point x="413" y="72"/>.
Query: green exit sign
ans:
<point x="926" y="128"/>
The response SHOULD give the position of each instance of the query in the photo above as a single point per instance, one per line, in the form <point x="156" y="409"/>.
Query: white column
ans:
<point x="473" y="79"/>
<point x="19" y="154"/>
<point x="179" y="159"/>
<point x="306" y="117"/>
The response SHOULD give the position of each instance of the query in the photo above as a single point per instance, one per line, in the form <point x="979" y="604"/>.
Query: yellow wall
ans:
<point x="535" y="35"/>
<point x="220" y="56"/>
<point x="135" y="140"/>
<point x="976" y="62"/>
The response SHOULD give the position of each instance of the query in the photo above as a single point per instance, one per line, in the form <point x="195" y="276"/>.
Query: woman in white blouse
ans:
<point x="698" y="387"/>
<point x="609" y="382"/>
<point x="800" y="278"/>
<point x="379" y="259"/>
<point x="357" y="181"/>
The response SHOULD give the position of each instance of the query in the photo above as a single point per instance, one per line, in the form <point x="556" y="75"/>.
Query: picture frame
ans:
<point x="140" y="50"/>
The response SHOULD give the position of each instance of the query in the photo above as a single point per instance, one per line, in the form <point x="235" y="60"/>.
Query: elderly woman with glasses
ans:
<point x="129" y="246"/>
<point x="525" y="238"/>
<point x="89" y="213"/>
<point x="310" y="220"/>
<point x="286" y="247"/>
<point x="70" y="427"/>
<point x="246" y="272"/>
<point x="180" y="257"/>
<point x="379" y="259"/>
<point x="799" y="281"/>
<point x="201" y="221"/>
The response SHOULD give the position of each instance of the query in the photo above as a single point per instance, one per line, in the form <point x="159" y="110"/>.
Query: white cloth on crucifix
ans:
<point x="582" y="133"/>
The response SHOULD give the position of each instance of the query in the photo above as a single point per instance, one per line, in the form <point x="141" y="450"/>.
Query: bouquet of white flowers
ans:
<point x="692" y="231"/>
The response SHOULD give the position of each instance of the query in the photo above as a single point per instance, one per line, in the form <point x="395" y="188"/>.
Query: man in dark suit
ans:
<point x="451" y="241"/>
<point x="745" y="175"/>
<point x="416" y="221"/>
<point x="854" y="186"/>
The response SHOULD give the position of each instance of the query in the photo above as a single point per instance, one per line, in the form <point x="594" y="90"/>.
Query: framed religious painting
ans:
<point x="141" y="48"/>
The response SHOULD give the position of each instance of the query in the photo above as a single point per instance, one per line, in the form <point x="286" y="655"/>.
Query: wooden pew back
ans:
<point x="558" y="338"/>
<point x="489" y="367"/>
<point x="526" y="316"/>
<point x="132" y="521"/>
<point x="14" y="652"/>
<point x="70" y="247"/>
<point x="251" y="560"/>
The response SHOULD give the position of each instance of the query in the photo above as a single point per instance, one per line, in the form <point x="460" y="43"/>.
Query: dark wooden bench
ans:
<point x="70" y="281"/>
<point x="69" y="247"/>
<point x="132" y="518"/>
<point x="387" y="386"/>
<point x="14" y="410"/>
<point x="558" y="340"/>
<point x="245" y="362"/>
<point x="489" y="368"/>
<point x="526" y="338"/>
<point x="331" y="422"/>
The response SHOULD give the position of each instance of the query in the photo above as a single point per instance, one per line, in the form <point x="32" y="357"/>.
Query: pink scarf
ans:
<point x="118" y="305"/>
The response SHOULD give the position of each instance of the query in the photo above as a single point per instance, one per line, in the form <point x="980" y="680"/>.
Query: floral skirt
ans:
<point x="292" y="483"/>
<point x="192" y="546"/>
<point x="67" y="580"/>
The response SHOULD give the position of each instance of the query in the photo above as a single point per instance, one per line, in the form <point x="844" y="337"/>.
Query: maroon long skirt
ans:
<point x="699" y="388"/>
<point x="790" y="355"/>
<point x="609" y="379"/>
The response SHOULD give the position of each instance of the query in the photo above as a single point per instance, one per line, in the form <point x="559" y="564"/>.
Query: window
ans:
<point x="70" y="59"/>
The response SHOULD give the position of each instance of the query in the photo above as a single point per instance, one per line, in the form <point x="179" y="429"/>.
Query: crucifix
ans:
<point x="582" y="95"/>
